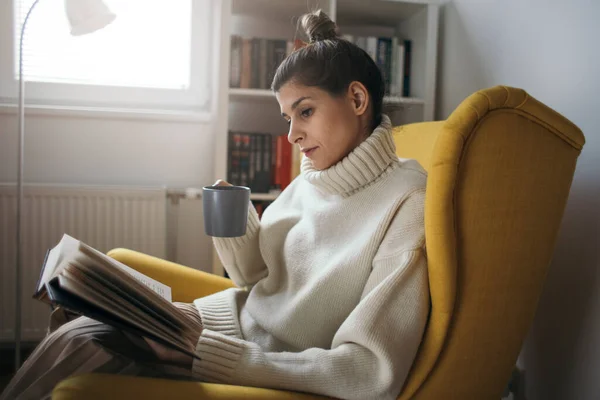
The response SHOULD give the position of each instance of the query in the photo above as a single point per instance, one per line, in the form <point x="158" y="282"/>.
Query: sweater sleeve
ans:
<point x="241" y="255"/>
<point x="373" y="349"/>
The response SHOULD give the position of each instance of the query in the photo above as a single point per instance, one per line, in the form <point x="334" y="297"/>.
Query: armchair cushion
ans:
<point x="187" y="284"/>
<point x="118" y="387"/>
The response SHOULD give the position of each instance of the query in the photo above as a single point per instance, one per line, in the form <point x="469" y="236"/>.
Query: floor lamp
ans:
<point x="85" y="16"/>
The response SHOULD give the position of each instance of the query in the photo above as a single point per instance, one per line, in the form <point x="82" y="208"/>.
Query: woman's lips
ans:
<point x="309" y="151"/>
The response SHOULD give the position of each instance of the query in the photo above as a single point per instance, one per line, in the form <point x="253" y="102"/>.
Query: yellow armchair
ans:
<point x="500" y="169"/>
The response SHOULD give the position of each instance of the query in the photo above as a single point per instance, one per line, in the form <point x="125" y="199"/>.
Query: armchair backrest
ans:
<point x="500" y="169"/>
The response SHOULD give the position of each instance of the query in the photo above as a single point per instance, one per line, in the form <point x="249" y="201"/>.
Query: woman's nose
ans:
<point x="294" y="135"/>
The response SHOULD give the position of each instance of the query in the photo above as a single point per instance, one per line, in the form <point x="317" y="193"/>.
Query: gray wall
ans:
<point x="551" y="49"/>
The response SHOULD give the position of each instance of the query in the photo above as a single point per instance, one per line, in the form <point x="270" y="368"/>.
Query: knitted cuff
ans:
<point x="219" y="357"/>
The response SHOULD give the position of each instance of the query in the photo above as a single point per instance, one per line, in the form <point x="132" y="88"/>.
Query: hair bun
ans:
<point x="318" y="26"/>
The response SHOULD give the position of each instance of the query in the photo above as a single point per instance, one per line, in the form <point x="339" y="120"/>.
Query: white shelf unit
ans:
<point x="256" y="110"/>
<point x="237" y="94"/>
<point x="263" y="196"/>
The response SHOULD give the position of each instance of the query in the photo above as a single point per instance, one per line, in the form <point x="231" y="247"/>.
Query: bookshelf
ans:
<point x="256" y="110"/>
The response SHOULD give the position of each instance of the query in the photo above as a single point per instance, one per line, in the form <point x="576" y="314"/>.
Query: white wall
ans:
<point x="83" y="150"/>
<point x="114" y="151"/>
<point x="551" y="49"/>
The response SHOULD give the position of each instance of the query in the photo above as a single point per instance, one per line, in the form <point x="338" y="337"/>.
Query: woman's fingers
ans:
<point x="221" y="182"/>
<point x="169" y="355"/>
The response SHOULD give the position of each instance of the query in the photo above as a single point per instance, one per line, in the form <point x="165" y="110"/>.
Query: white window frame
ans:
<point x="196" y="102"/>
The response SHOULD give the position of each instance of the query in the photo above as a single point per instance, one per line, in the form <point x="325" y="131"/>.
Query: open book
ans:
<point x="88" y="282"/>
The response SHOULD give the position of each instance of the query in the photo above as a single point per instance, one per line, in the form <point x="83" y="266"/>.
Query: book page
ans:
<point x="111" y="311"/>
<point x="160" y="289"/>
<point x="134" y="289"/>
<point x="66" y="248"/>
<point x="102" y="294"/>
<point x="157" y="287"/>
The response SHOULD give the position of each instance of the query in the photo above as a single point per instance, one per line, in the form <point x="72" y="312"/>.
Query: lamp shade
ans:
<point x="87" y="16"/>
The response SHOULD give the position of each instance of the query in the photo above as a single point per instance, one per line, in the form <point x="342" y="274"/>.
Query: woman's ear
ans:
<point x="359" y="96"/>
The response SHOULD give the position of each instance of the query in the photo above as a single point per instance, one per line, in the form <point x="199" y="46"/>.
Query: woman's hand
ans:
<point x="169" y="355"/>
<point x="176" y="357"/>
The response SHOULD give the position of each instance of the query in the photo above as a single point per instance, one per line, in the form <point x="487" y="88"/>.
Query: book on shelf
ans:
<point x="283" y="162"/>
<point x="255" y="60"/>
<point x="85" y="281"/>
<point x="261" y="161"/>
<point x="392" y="56"/>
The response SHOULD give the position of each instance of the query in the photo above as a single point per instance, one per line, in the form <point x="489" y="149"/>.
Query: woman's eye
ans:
<point x="307" y="113"/>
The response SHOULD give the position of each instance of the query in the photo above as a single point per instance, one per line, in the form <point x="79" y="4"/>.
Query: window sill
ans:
<point x="110" y="113"/>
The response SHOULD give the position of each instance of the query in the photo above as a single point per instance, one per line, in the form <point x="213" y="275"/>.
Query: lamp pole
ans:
<point x="21" y="162"/>
<point x="85" y="16"/>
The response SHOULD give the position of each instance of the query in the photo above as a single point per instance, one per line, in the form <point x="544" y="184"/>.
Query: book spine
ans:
<point x="361" y="41"/>
<point x="400" y="72"/>
<point x="284" y="162"/>
<point x="372" y="47"/>
<point x="252" y="170"/>
<point x="296" y="162"/>
<point x="229" y="157"/>
<point x="258" y="173"/>
<point x="278" y="162"/>
<point x="274" y="152"/>
<point x="255" y="56"/>
<point x="262" y="64"/>
<point x="383" y="61"/>
<point x="235" y="158"/>
<point x="267" y="162"/>
<point x="235" y="67"/>
<point x="278" y="55"/>
<point x="270" y="63"/>
<point x="407" y="68"/>
<point x="246" y="73"/>
<point x="245" y="161"/>
<point x="388" y="64"/>
<point x="394" y="68"/>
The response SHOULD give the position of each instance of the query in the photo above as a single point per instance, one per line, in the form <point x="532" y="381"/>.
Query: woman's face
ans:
<point x="326" y="128"/>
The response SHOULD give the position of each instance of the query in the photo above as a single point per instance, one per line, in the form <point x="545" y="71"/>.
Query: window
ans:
<point x="153" y="56"/>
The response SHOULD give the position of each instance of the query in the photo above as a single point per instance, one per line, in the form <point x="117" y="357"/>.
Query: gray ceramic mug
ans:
<point x="225" y="210"/>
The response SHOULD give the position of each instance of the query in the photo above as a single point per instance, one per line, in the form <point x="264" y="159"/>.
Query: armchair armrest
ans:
<point x="186" y="284"/>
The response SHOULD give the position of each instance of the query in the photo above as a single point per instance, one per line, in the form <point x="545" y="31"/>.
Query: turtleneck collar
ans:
<point x="363" y="165"/>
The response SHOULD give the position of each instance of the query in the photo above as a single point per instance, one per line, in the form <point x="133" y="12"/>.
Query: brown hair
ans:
<point x="331" y="63"/>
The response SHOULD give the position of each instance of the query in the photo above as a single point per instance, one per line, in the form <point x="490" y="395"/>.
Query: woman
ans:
<point x="338" y="294"/>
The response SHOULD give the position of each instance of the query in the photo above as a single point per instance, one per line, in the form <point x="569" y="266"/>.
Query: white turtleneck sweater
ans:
<point x="338" y="294"/>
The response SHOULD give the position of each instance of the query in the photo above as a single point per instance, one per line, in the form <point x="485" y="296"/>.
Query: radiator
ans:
<point x="103" y="217"/>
